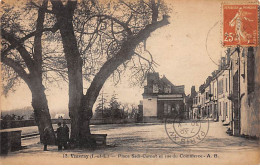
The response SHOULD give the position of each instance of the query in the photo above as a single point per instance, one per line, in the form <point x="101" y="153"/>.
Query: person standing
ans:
<point x="60" y="136"/>
<point x="66" y="137"/>
<point x="46" y="137"/>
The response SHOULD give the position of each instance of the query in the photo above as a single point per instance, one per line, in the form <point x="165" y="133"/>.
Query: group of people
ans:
<point x="62" y="136"/>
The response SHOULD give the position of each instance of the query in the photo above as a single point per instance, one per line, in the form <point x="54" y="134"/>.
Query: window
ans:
<point x="226" y="85"/>
<point x="167" y="89"/>
<point x="155" y="88"/>
<point x="169" y="109"/>
<point x="250" y="70"/>
<point x="226" y="110"/>
<point x="165" y="108"/>
<point x="220" y="86"/>
<point x="220" y="108"/>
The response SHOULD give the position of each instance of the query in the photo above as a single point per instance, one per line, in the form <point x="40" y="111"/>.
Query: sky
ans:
<point x="179" y="49"/>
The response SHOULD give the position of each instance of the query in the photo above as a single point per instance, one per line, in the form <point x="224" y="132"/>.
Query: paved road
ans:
<point x="152" y="139"/>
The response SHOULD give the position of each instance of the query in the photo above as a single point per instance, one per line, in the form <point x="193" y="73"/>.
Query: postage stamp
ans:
<point x="240" y="25"/>
<point x="186" y="133"/>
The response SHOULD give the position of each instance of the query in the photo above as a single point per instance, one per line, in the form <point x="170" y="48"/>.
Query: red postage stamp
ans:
<point x="240" y="25"/>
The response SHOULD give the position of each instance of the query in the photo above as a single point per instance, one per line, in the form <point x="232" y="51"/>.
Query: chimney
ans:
<point x="223" y="62"/>
<point x="192" y="91"/>
<point x="228" y="55"/>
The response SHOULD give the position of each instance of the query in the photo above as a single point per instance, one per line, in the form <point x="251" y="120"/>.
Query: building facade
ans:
<point x="196" y="108"/>
<point x="245" y="91"/>
<point x="231" y="94"/>
<point x="214" y="96"/>
<point x="162" y="99"/>
<point x="189" y="103"/>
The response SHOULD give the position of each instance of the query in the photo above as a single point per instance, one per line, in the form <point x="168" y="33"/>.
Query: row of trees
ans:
<point x="11" y="117"/>
<point x="52" y="40"/>
<point x="113" y="109"/>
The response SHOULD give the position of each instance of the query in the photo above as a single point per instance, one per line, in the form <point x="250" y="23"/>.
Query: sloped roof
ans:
<point x="178" y="89"/>
<point x="166" y="81"/>
<point x="175" y="89"/>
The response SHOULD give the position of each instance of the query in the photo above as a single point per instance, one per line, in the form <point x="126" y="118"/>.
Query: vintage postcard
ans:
<point x="139" y="82"/>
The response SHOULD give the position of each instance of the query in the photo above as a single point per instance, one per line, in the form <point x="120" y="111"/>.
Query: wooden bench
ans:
<point x="100" y="139"/>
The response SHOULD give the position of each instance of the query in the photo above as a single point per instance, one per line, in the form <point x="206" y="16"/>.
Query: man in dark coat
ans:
<point x="60" y="139"/>
<point x="46" y="137"/>
<point x="65" y="135"/>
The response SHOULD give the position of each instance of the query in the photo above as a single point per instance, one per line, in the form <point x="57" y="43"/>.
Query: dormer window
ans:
<point x="155" y="88"/>
<point x="167" y="89"/>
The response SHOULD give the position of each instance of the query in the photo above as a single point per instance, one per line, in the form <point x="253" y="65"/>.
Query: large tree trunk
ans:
<point x="74" y="63"/>
<point x="39" y="100"/>
<point x="41" y="110"/>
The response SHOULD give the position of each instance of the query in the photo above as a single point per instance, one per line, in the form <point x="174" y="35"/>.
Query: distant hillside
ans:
<point x="28" y="111"/>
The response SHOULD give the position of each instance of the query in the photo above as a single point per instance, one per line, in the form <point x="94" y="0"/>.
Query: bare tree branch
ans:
<point x="124" y="25"/>
<point x="16" y="67"/>
<point x="26" y="37"/>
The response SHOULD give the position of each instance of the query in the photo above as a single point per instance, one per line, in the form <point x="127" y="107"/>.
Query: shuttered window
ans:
<point x="250" y="70"/>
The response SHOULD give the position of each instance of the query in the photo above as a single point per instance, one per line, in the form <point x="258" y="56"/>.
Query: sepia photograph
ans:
<point x="130" y="82"/>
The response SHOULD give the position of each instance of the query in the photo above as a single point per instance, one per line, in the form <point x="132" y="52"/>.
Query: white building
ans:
<point x="162" y="99"/>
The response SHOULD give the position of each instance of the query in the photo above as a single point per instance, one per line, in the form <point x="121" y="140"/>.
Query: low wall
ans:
<point x="27" y="123"/>
<point x="10" y="141"/>
<point x="16" y="124"/>
<point x="111" y="121"/>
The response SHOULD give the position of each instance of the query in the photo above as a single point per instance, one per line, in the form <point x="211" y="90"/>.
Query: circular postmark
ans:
<point x="186" y="132"/>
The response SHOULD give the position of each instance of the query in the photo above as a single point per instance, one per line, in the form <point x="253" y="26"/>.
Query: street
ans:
<point x="146" y="140"/>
